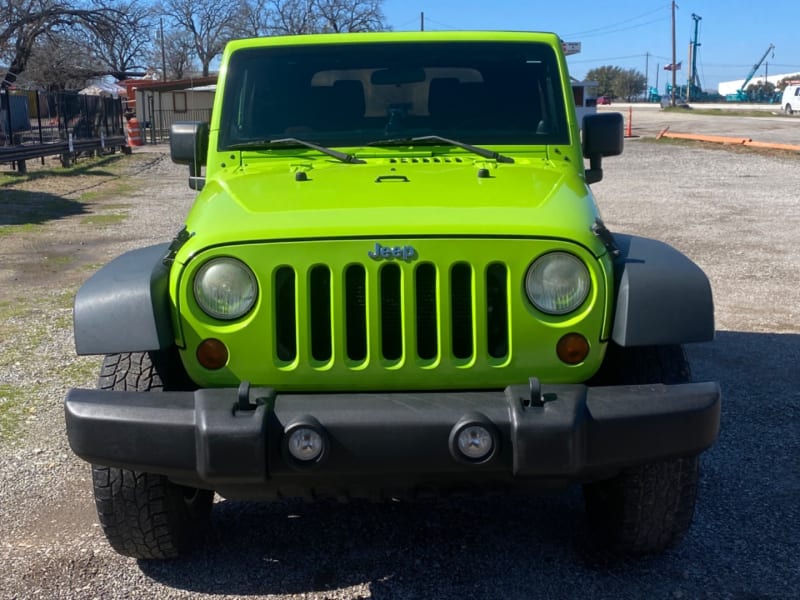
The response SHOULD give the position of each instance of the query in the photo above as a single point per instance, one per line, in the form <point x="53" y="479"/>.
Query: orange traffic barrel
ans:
<point x="134" y="132"/>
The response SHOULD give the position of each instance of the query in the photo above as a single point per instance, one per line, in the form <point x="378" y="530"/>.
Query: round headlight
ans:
<point x="557" y="283"/>
<point x="225" y="288"/>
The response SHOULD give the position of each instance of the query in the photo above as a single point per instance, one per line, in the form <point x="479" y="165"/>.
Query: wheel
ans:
<point x="144" y="515"/>
<point x="647" y="508"/>
<point x="788" y="109"/>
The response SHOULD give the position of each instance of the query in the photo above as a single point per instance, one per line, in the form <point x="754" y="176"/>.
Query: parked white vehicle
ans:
<point x="791" y="99"/>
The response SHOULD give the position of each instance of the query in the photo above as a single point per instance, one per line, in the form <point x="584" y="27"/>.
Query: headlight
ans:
<point x="557" y="283"/>
<point x="225" y="288"/>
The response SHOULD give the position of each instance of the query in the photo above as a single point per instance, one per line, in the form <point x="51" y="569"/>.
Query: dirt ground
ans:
<point x="735" y="214"/>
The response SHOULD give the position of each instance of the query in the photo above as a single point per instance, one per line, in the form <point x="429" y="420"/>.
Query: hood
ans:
<point x="397" y="198"/>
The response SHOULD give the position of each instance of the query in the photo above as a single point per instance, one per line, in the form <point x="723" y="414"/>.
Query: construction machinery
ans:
<point x="741" y="94"/>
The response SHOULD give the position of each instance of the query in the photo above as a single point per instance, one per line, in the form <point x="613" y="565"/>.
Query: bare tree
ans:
<point x="178" y="54"/>
<point x="289" y="17"/>
<point x="210" y="23"/>
<point x="125" y="44"/>
<point x="23" y="22"/>
<point x="59" y="62"/>
<point x="340" y="16"/>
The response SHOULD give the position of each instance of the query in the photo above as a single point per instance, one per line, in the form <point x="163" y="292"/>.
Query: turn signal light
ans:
<point x="572" y="348"/>
<point x="212" y="354"/>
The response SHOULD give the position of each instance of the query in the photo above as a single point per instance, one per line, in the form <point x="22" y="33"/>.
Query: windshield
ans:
<point x="357" y="94"/>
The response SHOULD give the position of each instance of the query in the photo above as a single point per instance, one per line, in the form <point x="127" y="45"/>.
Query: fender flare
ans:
<point x="125" y="306"/>
<point x="662" y="297"/>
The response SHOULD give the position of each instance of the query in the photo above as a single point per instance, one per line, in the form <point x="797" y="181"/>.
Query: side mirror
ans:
<point x="188" y="145"/>
<point x="602" y="136"/>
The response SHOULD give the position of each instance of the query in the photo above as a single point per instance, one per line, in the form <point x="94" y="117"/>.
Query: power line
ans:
<point x="614" y="25"/>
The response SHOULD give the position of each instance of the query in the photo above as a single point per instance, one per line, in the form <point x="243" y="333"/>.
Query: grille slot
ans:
<point x="391" y="309"/>
<point x="461" y="310"/>
<point x="497" y="310"/>
<point x="426" y="312"/>
<point x="355" y="283"/>
<point x="286" y="314"/>
<point x="319" y="300"/>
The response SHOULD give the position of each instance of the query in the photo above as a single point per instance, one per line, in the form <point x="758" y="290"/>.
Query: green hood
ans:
<point x="393" y="198"/>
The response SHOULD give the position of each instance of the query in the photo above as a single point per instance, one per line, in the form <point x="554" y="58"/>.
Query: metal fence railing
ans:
<point x="37" y="124"/>
<point x="157" y="123"/>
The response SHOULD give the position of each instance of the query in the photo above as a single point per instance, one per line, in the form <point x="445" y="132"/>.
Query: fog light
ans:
<point x="475" y="442"/>
<point x="572" y="348"/>
<point x="212" y="354"/>
<point x="306" y="444"/>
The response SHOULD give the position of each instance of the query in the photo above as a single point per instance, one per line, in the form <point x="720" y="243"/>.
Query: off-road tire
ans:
<point x="144" y="515"/>
<point x="648" y="508"/>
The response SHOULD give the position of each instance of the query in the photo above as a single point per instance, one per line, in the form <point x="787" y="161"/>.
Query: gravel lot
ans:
<point x="736" y="214"/>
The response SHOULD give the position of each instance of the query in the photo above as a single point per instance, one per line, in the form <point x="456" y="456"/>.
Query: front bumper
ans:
<point x="234" y="441"/>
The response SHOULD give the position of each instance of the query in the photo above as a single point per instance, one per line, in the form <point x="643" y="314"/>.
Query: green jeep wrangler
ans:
<point x="394" y="281"/>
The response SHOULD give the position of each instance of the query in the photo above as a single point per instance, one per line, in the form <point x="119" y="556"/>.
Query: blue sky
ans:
<point x="733" y="34"/>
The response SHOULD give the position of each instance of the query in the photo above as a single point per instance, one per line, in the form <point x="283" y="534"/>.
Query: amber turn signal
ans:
<point x="572" y="348"/>
<point x="212" y="354"/>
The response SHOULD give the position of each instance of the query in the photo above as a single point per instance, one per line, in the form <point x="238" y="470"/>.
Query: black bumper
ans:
<point x="568" y="433"/>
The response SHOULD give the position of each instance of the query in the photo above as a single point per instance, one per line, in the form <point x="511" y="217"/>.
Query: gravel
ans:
<point x="736" y="214"/>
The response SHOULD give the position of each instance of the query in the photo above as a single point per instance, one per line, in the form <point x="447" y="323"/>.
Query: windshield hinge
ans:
<point x="605" y="236"/>
<point x="178" y="241"/>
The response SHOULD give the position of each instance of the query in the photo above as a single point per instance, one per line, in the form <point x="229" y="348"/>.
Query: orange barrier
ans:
<point x="698" y="137"/>
<point x="772" y="146"/>
<point x="722" y="139"/>
<point x="134" y="132"/>
<point x="629" y="128"/>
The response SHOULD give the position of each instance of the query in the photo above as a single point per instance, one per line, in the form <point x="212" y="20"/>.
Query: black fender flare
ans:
<point x="125" y="306"/>
<point x="662" y="297"/>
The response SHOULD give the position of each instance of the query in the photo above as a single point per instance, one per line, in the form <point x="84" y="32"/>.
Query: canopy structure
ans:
<point x="104" y="88"/>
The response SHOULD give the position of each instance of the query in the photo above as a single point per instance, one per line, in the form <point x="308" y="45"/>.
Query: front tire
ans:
<point x="647" y="508"/>
<point x="144" y="515"/>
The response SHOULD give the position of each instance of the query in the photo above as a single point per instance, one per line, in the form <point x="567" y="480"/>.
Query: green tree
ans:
<point x="605" y="77"/>
<point x="761" y="91"/>
<point x="616" y="82"/>
<point x="785" y="81"/>
<point x="629" y="84"/>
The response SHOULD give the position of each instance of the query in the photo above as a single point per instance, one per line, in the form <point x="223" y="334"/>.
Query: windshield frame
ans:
<point x="254" y="77"/>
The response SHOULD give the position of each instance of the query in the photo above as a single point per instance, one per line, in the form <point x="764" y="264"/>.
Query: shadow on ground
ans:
<point x="19" y="207"/>
<point x="743" y="543"/>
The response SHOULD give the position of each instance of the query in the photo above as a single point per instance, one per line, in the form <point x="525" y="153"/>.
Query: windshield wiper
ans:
<point x="342" y="156"/>
<point x="484" y="152"/>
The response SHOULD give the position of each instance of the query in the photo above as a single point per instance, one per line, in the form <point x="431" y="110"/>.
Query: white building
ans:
<point x="730" y="87"/>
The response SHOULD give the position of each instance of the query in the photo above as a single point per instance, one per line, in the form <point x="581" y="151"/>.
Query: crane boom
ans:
<point x="756" y="66"/>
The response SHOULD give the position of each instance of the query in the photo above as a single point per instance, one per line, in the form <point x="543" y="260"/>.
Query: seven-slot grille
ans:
<point x="398" y="309"/>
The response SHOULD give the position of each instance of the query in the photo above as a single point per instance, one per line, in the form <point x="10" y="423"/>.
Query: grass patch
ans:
<point x="697" y="109"/>
<point x="104" y="220"/>
<point x="11" y="411"/>
<point x="81" y="372"/>
<point x="21" y="228"/>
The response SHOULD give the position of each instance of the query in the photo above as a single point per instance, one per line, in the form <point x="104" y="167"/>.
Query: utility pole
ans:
<point x="163" y="53"/>
<point x="422" y="21"/>
<point x="647" y="74"/>
<point x="694" y="78"/>
<point x="672" y="100"/>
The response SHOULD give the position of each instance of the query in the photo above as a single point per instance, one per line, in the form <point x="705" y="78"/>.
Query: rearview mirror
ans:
<point x="188" y="145"/>
<point x="602" y="136"/>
